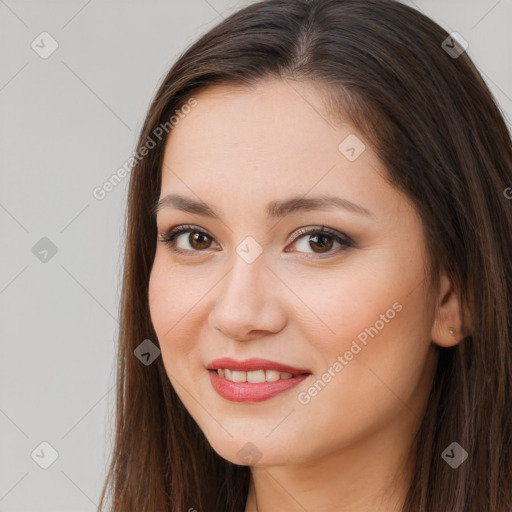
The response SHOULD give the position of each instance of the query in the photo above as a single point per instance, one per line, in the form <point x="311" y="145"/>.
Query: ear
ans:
<point x="447" y="327"/>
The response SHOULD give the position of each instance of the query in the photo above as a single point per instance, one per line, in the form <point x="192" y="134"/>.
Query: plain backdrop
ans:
<point x="68" y="122"/>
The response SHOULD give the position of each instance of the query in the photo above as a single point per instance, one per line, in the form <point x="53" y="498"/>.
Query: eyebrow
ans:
<point x="274" y="209"/>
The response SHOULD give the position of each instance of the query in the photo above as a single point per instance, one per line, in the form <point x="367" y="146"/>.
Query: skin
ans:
<point x="347" y="449"/>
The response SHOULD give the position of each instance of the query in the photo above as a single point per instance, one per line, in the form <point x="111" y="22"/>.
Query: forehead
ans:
<point x="243" y="147"/>
<point x="276" y="126"/>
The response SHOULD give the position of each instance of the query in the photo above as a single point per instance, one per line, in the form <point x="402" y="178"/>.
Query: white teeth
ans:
<point x="272" y="375"/>
<point x="254" y="376"/>
<point x="237" y="376"/>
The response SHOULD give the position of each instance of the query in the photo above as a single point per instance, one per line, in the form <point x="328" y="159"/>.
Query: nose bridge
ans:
<point x="242" y="304"/>
<point x="244" y="281"/>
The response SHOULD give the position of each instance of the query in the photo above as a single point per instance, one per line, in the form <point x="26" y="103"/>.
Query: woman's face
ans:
<point x="346" y="309"/>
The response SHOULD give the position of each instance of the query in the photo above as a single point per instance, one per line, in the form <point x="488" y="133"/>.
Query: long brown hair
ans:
<point x="435" y="125"/>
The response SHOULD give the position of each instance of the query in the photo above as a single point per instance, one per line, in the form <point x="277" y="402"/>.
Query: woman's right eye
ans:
<point x="197" y="240"/>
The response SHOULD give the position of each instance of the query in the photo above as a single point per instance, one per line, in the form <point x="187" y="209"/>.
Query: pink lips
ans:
<point x="249" y="391"/>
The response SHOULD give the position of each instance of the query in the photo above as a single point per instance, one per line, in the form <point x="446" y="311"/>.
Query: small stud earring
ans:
<point x="452" y="330"/>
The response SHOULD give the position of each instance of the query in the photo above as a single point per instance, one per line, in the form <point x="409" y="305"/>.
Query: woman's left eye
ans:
<point x="321" y="238"/>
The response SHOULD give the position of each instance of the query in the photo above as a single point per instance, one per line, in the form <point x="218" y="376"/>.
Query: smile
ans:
<point x="253" y="376"/>
<point x="253" y="380"/>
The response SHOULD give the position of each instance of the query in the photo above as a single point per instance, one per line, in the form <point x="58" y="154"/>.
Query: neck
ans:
<point x="373" y="474"/>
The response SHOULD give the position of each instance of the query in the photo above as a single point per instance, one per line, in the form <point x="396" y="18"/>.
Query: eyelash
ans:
<point x="169" y="238"/>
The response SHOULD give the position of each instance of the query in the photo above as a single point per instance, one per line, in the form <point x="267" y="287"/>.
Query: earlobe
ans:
<point x="447" y="327"/>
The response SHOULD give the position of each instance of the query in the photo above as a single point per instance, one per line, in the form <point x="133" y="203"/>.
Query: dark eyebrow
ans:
<point x="274" y="210"/>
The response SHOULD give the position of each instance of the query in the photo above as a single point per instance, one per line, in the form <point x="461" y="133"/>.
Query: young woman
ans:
<point x="316" y="305"/>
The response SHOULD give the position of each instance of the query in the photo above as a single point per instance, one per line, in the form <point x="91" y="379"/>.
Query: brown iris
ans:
<point x="325" y="242"/>
<point x="199" y="240"/>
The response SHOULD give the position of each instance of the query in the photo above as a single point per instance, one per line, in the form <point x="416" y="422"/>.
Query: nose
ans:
<point x="249" y="302"/>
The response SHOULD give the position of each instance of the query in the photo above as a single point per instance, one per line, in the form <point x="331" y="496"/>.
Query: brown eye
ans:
<point x="321" y="241"/>
<point x="199" y="240"/>
<point x="196" y="241"/>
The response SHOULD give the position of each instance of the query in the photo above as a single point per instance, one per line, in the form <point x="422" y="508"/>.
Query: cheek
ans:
<point x="174" y="294"/>
<point x="346" y="304"/>
<point x="171" y="297"/>
<point x="161" y="293"/>
<point x="376" y="361"/>
<point x="371" y="337"/>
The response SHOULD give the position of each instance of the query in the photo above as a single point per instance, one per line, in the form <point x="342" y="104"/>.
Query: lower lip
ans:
<point x="249" y="391"/>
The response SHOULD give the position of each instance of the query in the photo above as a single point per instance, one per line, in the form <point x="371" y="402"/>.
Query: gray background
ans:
<point x="68" y="122"/>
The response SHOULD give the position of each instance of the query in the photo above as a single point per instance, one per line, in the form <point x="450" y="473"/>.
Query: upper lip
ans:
<point x="254" y="363"/>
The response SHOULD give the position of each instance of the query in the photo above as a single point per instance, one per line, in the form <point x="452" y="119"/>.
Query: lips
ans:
<point x="284" y="377"/>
